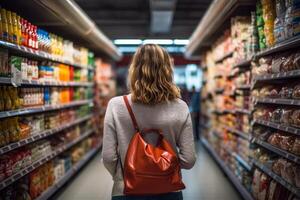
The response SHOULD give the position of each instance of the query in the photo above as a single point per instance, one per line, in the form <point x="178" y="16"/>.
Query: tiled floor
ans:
<point x="204" y="182"/>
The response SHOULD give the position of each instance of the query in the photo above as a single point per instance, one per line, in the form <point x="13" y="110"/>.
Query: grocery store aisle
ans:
<point x="204" y="182"/>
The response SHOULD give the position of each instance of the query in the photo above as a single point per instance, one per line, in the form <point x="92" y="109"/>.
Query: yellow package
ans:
<point x="7" y="100"/>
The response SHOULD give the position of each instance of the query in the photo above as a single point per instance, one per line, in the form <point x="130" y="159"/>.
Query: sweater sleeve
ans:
<point x="110" y="144"/>
<point x="186" y="145"/>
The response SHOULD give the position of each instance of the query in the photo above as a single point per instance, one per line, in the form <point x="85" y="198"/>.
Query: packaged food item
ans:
<point x="296" y="61"/>
<point x="274" y="139"/>
<point x="272" y="189"/>
<point x="287" y="62"/>
<point x="278" y="166"/>
<point x="276" y="115"/>
<point x="255" y="183"/>
<point x="295" y="118"/>
<point x="286" y="116"/>
<point x="286" y="142"/>
<point x="286" y="92"/>
<point x="296" y="146"/>
<point x="297" y="175"/>
<point x="296" y="92"/>
<point x="288" y="172"/>
<point x="274" y="93"/>
<point x="263" y="187"/>
<point x="265" y="91"/>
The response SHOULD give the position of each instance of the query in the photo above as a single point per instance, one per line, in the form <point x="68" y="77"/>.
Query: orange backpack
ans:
<point x="150" y="169"/>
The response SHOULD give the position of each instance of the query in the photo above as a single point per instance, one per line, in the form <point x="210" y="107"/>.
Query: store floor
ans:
<point x="205" y="181"/>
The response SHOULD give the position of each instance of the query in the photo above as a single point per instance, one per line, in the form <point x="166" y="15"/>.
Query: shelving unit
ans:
<point x="278" y="76"/>
<point x="47" y="83"/>
<point x="247" y="165"/>
<point x="41" y="135"/>
<point x="244" y="111"/>
<point x="278" y="101"/>
<point x="238" y="132"/>
<point x="36" y="54"/>
<point x="227" y="55"/>
<point x="40" y="109"/>
<point x="242" y="64"/>
<point x="278" y="151"/>
<point x="208" y="42"/>
<point x="274" y="176"/>
<point x="282" y="46"/>
<point x="6" y="182"/>
<point x="71" y="173"/>
<point x="243" y="87"/>
<point x="53" y="125"/>
<point x="238" y="185"/>
<point x="281" y="127"/>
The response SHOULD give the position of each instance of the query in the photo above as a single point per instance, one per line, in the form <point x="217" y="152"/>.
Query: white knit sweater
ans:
<point x="172" y="118"/>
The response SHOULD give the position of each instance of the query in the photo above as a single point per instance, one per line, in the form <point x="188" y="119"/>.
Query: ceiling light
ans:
<point x="158" y="41"/>
<point x="127" y="42"/>
<point x="181" y="42"/>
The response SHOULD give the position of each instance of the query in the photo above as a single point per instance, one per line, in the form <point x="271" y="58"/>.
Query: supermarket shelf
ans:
<point x="241" y="189"/>
<point x="232" y="111"/>
<point x="293" y="102"/>
<point x="41" y="135"/>
<point x="238" y="132"/>
<point x="5" y="80"/>
<point x="39" y="109"/>
<point x="244" y="87"/>
<point x="224" y="111"/>
<point x="36" y="54"/>
<point x="242" y="64"/>
<point x="283" y="153"/>
<point x="42" y="161"/>
<point x="218" y="76"/>
<point x="219" y="90"/>
<point x="71" y="173"/>
<point x="239" y="159"/>
<point x="227" y="55"/>
<point x="282" y="46"/>
<point x="242" y="161"/>
<point x="277" y="76"/>
<point x="242" y="110"/>
<point x="281" y="127"/>
<point x="55" y="83"/>
<point x="47" y="83"/>
<point x="212" y="24"/>
<point x="277" y="178"/>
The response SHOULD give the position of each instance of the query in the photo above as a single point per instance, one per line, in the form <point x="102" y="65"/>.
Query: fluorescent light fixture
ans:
<point x="127" y="41"/>
<point x="158" y="41"/>
<point x="127" y="49"/>
<point x="181" y="42"/>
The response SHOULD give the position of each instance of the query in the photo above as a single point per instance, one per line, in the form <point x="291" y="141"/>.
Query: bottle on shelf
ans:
<point x="15" y="36"/>
<point x="4" y="25"/>
<point x="29" y="31"/>
<point x="10" y="27"/>
<point x="19" y="30"/>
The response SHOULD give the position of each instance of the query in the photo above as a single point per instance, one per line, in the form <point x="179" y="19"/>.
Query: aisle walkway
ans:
<point x="204" y="182"/>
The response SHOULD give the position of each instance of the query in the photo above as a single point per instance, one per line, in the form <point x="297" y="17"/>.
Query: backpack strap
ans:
<point x="135" y="125"/>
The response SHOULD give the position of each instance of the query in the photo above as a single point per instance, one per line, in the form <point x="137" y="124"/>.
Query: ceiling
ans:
<point x="128" y="19"/>
<point x="117" y="19"/>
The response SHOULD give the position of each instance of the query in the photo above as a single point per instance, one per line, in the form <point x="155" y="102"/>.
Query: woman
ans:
<point x="154" y="99"/>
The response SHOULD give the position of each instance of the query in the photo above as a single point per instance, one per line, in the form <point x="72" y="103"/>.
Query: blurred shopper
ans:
<point x="185" y="95"/>
<point x="194" y="107"/>
<point x="154" y="103"/>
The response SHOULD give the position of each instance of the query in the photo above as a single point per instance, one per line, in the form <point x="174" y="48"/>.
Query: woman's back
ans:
<point x="171" y="117"/>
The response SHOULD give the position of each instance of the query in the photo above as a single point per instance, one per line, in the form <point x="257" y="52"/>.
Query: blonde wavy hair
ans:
<point x="151" y="75"/>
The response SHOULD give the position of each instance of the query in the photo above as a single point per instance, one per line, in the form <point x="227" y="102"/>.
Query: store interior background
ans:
<point x="242" y="56"/>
